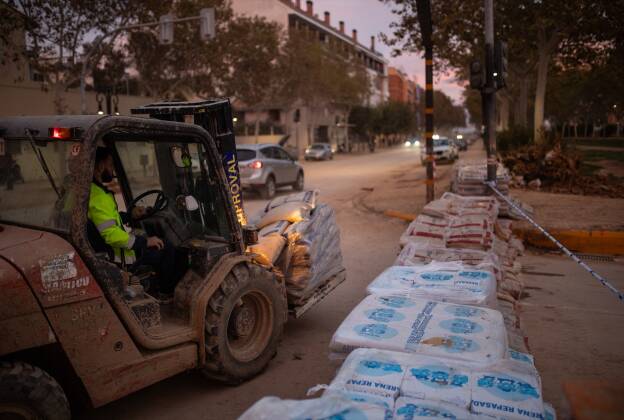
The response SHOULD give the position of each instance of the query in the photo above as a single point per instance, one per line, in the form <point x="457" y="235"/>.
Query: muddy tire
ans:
<point x="244" y="323"/>
<point x="27" y="392"/>
<point x="268" y="190"/>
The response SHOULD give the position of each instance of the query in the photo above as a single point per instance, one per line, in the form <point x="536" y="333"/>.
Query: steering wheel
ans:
<point x="160" y="203"/>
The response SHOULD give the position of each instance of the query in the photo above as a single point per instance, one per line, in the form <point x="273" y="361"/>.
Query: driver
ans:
<point x="129" y="249"/>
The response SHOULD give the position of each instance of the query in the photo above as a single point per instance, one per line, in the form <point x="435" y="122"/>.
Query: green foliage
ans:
<point x="387" y="118"/>
<point x="513" y="138"/>
<point x="445" y="113"/>
<point x="315" y="74"/>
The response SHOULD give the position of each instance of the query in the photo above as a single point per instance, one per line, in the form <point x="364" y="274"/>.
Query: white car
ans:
<point x="443" y="149"/>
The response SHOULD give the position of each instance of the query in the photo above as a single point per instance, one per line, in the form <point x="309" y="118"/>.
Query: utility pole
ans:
<point x="489" y="92"/>
<point x="423" y="8"/>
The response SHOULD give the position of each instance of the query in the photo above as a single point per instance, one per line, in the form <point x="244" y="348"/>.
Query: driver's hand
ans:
<point x="138" y="212"/>
<point x="155" y="242"/>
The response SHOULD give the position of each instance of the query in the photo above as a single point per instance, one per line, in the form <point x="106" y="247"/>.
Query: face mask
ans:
<point x="107" y="176"/>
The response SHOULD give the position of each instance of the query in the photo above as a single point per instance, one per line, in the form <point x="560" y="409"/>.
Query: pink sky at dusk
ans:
<point x="371" y="17"/>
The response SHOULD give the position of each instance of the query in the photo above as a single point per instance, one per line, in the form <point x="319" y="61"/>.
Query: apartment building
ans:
<point x="326" y="124"/>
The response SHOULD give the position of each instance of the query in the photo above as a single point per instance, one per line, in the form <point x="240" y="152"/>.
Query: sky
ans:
<point x="372" y="17"/>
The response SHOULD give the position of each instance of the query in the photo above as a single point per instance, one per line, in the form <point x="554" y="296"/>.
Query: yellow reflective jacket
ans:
<point x="105" y="216"/>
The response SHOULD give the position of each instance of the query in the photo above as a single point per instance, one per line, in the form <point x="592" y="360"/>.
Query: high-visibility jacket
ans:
<point x="105" y="216"/>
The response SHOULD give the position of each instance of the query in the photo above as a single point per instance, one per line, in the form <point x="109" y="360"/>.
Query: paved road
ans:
<point x="369" y="244"/>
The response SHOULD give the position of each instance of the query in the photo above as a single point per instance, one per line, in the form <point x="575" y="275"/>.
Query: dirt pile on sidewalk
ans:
<point x="556" y="170"/>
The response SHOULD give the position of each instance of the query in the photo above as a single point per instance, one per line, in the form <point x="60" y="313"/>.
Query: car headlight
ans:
<point x="407" y="144"/>
<point x="417" y="143"/>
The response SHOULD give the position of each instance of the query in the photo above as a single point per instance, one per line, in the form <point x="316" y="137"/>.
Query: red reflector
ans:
<point x="256" y="164"/>
<point x="59" y="133"/>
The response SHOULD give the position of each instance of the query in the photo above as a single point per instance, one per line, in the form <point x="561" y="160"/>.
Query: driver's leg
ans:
<point x="164" y="263"/>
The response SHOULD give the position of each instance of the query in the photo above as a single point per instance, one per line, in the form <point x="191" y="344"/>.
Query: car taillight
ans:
<point x="256" y="164"/>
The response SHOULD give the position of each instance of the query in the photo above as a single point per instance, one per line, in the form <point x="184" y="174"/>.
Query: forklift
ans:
<point x="76" y="324"/>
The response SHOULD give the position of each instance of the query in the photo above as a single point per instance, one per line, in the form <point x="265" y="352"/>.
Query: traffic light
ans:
<point x="477" y="81"/>
<point x="207" y="27"/>
<point x="165" y="33"/>
<point x="500" y="64"/>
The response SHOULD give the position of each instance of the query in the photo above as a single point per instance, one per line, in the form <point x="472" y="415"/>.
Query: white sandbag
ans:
<point x="438" y="379"/>
<point x="292" y="212"/>
<point x="275" y="228"/>
<point x="359" y="397"/>
<point x="305" y="197"/>
<point x="268" y="249"/>
<point x="436" y="281"/>
<point x="507" y="390"/>
<point x="332" y="406"/>
<point x="549" y="412"/>
<point x="392" y="322"/>
<point x="408" y="408"/>
<point x="372" y="372"/>
<point x="316" y="254"/>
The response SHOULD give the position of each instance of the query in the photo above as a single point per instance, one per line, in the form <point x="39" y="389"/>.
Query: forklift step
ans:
<point x="147" y="311"/>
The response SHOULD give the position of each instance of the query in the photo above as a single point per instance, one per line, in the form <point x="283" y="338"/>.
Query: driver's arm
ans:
<point x="113" y="234"/>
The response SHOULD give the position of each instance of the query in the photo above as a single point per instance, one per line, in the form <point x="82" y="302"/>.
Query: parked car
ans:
<point x="319" y="151"/>
<point x="461" y="142"/>
<point x="265" y="167"/>
<point x="443" y="149"/>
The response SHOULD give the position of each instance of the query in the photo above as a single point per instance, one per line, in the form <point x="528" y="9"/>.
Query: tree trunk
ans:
<point x="540" y="93"/>
<point x="522" y="104"/>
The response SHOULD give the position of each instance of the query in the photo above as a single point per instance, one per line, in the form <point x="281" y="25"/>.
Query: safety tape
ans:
<point x="605" y="282"/>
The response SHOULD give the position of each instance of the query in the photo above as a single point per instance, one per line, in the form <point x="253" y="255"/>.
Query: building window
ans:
<point x="274" y="115"/>
<point x="34" y="75"/>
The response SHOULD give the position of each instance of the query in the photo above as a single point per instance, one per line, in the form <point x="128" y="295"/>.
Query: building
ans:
<point x="302" y="125"/>
<point x="398" y="85"/>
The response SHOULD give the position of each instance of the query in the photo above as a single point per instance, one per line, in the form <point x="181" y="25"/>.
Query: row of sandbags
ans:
<point x="303" y="233"/>
<point x="435" y="337"/>
<point x="469" y="177"/>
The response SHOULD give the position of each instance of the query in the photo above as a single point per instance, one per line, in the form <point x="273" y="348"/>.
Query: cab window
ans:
<point x="34" y="183"/>
<point x="181" y="171"/>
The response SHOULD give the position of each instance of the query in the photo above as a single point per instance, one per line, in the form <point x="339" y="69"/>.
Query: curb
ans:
<point x="408" y="217"/>
<point x="583" y="241"/>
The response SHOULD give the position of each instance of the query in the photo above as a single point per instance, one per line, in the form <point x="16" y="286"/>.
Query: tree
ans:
<point x="447" y="114"/>
<point x="536" y="32"/>
<point x="57" y="34"/>
<point x="316" y="75"/>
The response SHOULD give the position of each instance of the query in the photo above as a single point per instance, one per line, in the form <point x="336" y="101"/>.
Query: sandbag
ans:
<point x="316" y="255"/>
<point x="409" y="408"/>
<point x="333" y="406"/>
<point x="372" y="372"/>
<point x="392" y="322"/>
<point x="268" y="248"/>
<point x="292" y="212"/>
<point x="305" y="198"/>
<point x="277" y="228"/>
<point x="445" y="282"/>
<point x="507" y="390"/>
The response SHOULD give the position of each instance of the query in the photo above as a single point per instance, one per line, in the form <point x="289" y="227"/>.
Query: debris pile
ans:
<point x="438" y="334"/>
<point x="557" y="171"/>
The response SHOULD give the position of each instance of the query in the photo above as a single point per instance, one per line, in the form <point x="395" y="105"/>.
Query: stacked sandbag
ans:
<point x="334" y="406"/>
<point x="474" y="335"/>
<point x="469" y="179"/>
<point x="415" y="385"/>
<point x="302" y="237"/>
<point x="441" y="281"/>
<point x="315" y="247"/>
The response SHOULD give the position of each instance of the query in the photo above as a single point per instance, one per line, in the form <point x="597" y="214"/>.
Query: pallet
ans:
<point x="319" y="294"/>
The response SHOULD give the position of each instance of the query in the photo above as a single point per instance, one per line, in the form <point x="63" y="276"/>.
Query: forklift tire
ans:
<point x="244" y="323"/>
<point x="268" y="190"/>
<point x="30" y="393"/>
